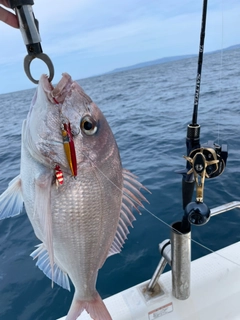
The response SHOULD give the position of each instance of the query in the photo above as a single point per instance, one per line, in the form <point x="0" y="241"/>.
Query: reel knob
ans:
<point x="197" y="213"/>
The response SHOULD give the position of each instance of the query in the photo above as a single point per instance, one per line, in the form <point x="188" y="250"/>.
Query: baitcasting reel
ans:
<point x="215" y="157"/>
<point x="208" y="161"/>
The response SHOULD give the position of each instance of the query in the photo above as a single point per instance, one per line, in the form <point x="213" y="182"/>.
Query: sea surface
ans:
<point x="148" y="110"/>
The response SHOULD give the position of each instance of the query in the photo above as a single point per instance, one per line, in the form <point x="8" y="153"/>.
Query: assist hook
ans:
<point x="30" y="32"/>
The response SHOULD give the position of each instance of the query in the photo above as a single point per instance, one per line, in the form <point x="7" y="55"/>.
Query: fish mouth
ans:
<point x="69" y="147"/>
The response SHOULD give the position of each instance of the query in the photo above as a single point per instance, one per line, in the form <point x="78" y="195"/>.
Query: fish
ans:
<point x="77" y="196"/>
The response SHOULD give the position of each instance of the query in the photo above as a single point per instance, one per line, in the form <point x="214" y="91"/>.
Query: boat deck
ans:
<point x="215" y="293"/>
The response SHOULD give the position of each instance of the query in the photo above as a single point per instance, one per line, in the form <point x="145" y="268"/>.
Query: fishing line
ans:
<point x="162" y="221"/>
<point x="221" y="77"/>
<point x="219" y="99"/>
<point x="194" y="241"/>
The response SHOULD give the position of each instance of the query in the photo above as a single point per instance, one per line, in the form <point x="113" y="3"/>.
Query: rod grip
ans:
<point x="187" y="191"/>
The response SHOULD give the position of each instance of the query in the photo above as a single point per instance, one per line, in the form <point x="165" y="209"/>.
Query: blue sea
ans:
<point x="148" y="110"/>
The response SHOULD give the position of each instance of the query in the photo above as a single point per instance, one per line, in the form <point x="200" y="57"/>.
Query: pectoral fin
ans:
<point x="42" y="208"/>
<point x="11" y="201"/>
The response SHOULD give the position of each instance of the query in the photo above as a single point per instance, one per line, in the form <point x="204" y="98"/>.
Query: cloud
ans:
<point x="85" y="37"/>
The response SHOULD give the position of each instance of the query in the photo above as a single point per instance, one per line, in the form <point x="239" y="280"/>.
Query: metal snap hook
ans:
<point x="45" y="58"/>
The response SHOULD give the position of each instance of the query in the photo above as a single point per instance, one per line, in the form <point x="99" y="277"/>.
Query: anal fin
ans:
<point x="43" y="263"/>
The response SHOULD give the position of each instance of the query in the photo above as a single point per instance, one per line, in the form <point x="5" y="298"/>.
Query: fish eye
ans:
<point x="88" y="125"/>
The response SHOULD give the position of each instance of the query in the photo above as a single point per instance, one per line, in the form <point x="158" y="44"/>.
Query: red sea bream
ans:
<point x="77" y="196"/>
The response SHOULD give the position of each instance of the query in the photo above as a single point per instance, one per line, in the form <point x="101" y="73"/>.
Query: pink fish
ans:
<point x="85" y="218"/>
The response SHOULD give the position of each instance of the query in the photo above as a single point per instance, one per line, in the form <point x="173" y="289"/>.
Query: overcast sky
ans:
<point x="90" y="37"/>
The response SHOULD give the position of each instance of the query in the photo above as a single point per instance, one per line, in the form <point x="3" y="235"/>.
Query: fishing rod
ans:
<point x="203" y="161"/>
<point x="193" y="129"/>
<point x="206" y="161"/>
<point x="200" y="61"/>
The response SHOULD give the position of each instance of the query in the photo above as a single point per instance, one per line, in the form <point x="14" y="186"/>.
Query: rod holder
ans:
<point x="153" y="288"/>
<point x="177" y="253"/>
<point x="181" y="262"/>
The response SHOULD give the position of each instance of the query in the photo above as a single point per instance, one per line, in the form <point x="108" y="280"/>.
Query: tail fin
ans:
<point x="96" y="309"/>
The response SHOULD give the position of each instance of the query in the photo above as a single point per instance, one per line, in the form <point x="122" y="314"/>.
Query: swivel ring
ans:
<point x="45" y="58"/>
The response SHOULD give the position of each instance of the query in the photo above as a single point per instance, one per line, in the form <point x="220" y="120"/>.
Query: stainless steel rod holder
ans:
<point x="165" y="251"/>
<point x="181" y="262"/>
<point x="159" y="270"/>
<point x="177" y="253"/>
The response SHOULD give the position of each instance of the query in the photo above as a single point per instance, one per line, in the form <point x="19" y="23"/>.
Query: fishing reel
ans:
<point x="203" y="161"/>
<point x="210" y="155"/>
<point x="208" y="161"/>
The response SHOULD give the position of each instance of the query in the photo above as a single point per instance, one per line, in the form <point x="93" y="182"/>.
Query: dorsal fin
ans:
<point x="131" y="199"/>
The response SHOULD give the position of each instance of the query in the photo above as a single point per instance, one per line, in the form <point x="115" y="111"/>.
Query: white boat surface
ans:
<point x="214" y="293"/>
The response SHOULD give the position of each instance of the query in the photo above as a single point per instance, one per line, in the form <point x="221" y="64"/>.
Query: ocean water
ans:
<point x="148" y="110"/>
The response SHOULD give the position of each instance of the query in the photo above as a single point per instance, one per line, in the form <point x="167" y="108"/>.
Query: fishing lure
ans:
<point x="69" y="147"/>
<point x="59" y="175"/>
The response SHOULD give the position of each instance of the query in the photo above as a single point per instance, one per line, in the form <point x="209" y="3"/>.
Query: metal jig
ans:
<point x="69" y="147"/>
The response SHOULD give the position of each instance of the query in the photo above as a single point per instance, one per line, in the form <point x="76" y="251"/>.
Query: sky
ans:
<point x="90" y="37"/>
